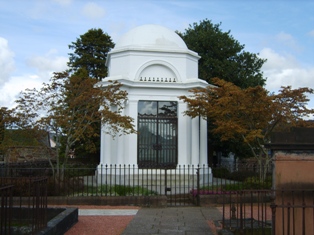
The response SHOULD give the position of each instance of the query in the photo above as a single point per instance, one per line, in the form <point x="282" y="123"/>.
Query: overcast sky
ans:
<point x="35" y="34"/>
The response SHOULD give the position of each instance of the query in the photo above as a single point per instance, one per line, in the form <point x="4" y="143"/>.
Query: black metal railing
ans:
<point x="276" y="212"/>
<point x="293" y="212"/>
<point x="247" y="211"/>
<point x="247" y="202"/>
<point x="6" y="209"/>
<point x="23" y="205"/>
<point x="103" y="180"/>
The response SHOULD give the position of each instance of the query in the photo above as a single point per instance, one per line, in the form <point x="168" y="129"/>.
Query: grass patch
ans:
<point x="116" y="190"/>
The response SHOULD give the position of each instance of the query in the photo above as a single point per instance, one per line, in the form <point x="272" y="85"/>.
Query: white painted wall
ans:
<point x="127" y="65"/>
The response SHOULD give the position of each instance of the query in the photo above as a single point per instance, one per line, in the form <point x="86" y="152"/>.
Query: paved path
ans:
<point x="108" y="212"/>
<point x="173" y="221"/>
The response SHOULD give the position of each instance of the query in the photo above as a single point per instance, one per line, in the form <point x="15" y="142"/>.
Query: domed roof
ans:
<point x="151" y="36"/>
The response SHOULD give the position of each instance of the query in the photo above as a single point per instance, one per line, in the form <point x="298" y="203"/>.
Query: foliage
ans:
<point x="113" y="190"/>
<point x="125" y="190"/>
<point x="251" y="114"/>
<point x="90" y="53"/>
<point x="223" y="56"/>
<point x="221" y="172"/>
<point x="69" y="105"/>
<point x="255" y="182"/>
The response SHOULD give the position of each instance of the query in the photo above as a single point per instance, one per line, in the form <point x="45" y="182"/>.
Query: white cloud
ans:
<point x="44" y="65"/>
<point x="284" y="70"/>
<point x="311" y="33"/>
<point x="6" y="61"/>
<point x="48" y="63"/>
<point x="287" y="40"/>
<point x="93" y="11"/>
<point x="10" y="91"/>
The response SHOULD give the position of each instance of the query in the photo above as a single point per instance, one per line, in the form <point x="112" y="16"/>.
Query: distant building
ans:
<point x="25" y="146"/>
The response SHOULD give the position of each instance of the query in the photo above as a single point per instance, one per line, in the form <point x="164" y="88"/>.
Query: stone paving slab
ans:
<point x="108" y="212"/>
<point x="172" y="221"/>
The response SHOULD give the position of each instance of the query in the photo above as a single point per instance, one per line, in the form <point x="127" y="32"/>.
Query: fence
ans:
<point x="246" y="200"/>
<point x="276" y="212"/>
<point x="123" y="180"/>
<point x="293" y="212"/>
<point x="247" y="211"/>
<point x="6" y="209"/>
<point x="23" y="205"/>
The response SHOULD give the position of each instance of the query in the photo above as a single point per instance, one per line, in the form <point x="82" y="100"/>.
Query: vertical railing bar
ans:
<point x="293" y="212"/>
<point x="110" y="179"/>
<point x="160" y="181"/>
<point x="198" y="185"/>
<point x="263" y="194"/>
<point x="282" y="211"/>
<point x="273" y="215"/>
<point x="171" y="196"/>
<point x="88" y="183"/>
<point x="142" y="178"/>
<point x="313" y="211"/>
<point x="120" y="178"/>
<point x="230" y="208"/>
<point x="114" y="179"/>
<point x="185" y="188"/>
<point x="151" y="180"/>
<point x="188" y="175"/>
<point x="181" y="184"/>
<point x="138" y="180"/>
<point x="175" y="187"/>
<point x="129" y="181"/>
<point x="303" y="212"/>
<point x="132" y="173"/>
<point x="147" y="180"/>
<point x="241" y="211"/>
<point x="223" y="210"/>
<point x="252" y="216"/>
<point x="288" y="218"/>
<point x="106" y="180"/>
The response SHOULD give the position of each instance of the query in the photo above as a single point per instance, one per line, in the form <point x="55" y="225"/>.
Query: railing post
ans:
<point x="273" y="218"/>
<point x="166" y="182"/>
<point x="198" y="186"/>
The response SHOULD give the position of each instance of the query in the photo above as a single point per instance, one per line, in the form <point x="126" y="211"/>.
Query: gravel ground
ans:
<point x="100" y="225"/>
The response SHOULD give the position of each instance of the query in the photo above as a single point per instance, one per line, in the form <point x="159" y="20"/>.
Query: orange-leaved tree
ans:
<point x="68" y="106"/>
<point x="249" y="114"/>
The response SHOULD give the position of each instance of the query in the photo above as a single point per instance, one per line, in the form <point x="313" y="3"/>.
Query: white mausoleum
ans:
<point x="155" y="67"/>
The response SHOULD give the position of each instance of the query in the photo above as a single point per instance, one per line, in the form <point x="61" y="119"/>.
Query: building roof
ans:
<point x="151" y="36"/>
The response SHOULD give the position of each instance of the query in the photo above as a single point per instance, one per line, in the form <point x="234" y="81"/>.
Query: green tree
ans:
<point x="250" y="114"/>
<point x="69" y="106"/>
<point x="5" y="115"/>
<point x="90" y="53"/>
<point x="223" y="56"/>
